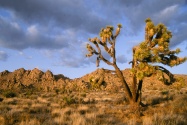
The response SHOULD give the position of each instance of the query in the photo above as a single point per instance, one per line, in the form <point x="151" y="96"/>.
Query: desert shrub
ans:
<point x="37" y="108"/>
<point x="57" y="91"/>
<point x="181" y="80"/>
<point x="83" y="94"/>
<point x="164" y="92"/>
<point x="9" y="94"/>
<point x="162" y="119"/>
<point x="97" y="82"/>
<point x="179" y="105"/>
<point x="69" y="100"/>
<point x="29" y="93"/>
<point x="1" y="91"/>
<point x="180" y="83"/>
<point x="1" y="99"/>
<point x="158" y="100"/>
<point x="30" y="122"/>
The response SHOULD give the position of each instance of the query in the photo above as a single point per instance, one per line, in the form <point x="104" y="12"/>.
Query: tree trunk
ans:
<point x="127" y="89"/>
<point x="134" y="96"/>
<point x="139" y="92"/>
<point x="134" y="88"/>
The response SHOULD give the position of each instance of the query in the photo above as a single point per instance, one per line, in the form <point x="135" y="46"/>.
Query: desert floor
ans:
<point x="165" y="106"/>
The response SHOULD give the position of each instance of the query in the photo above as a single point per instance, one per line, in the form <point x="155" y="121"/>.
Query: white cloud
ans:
<point x="169" y="10"/>
<point x="3" y="56"/>
<point x="32" y="31"/>
<point x="15" y="25"/>
<point x="24" y="55"/>
<point x="21" y="53"/>
<point x="167" y="13"/>
<point x="48" y="53"/>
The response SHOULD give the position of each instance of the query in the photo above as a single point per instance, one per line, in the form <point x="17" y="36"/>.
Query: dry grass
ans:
<point x="166" y="106"/>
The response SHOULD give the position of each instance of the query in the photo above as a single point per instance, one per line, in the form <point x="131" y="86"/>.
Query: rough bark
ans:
<point x="121" y="77"/>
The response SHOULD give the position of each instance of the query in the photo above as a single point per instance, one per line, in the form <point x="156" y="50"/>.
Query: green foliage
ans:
<point x="144" y="70"/>
<point x="164" y="92"/>
<point x="106" y="33"/>
<point x="178" y="50"/>
<point x="120" y="25"/>
<point x="142" y="52"/>
<point x="69" y="100"/>
<point x="96" y="82"/>
<point x="155" y="49"/>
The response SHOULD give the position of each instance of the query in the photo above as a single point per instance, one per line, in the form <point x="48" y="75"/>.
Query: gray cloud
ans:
<point x="180" y="35"/>
<point x="59" y="25"/>
<point x="14" y="37"/>
<point x="72" y="59"/>
<point x="90" y="16"/>
<point x="46" y="24"/>
<point x="3" y="56"/>
<point x="121" y="59"/>
<point x="66" y="14"/>
<point x="171" y="13"/>
<point x="74" y="56"/>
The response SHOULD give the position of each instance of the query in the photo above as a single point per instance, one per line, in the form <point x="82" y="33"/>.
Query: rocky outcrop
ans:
<point x="46" y="81"/>
<point x="110" y="82"/>
<point x="102" y="77"/>
<point x="22" y="78"/>
<point x="26" y="78"/>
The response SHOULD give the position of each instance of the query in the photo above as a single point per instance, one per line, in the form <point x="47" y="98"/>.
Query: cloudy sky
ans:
<point x="52" y="34"/>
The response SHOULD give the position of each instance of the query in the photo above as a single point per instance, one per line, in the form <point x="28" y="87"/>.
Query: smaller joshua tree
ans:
<point x="154" y="49"/>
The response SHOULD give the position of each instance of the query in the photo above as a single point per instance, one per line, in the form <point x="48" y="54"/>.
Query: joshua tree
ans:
<point x="154" y="49"/>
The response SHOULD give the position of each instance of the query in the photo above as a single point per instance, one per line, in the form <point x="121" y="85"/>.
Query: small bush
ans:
<point x="180" y="83"/>
<point x="1" y="99"/>
<point x="57" y="91"/>
<point x="83" y="94"/>
<point x="69" y="100"/>
<point x="164" y="92"/>
<point x="9" y="94"/>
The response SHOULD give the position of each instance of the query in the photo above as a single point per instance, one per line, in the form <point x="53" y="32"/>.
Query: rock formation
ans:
<point x="47" y="81"/>
<point x="26" y="78"/>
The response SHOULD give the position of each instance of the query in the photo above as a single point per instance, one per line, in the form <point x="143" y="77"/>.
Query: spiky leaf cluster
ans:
<point x="106" y="33"/>
<point x="155" y="49"/>
<point x="144" y="69"/>
<point x="106" y="36"/>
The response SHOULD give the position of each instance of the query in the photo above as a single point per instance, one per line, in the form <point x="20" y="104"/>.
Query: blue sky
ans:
<point x="52" y="34"/>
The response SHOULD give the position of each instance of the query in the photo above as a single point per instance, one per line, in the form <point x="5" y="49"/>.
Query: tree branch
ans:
<point x="168" y="73"/>
<point x="100" y="55"/>
<point x="105" y="60"/>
